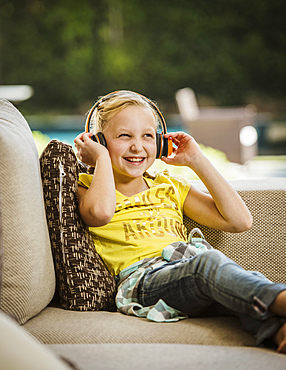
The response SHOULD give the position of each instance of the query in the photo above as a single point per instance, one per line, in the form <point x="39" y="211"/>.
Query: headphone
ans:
<point x="164" y="145"/>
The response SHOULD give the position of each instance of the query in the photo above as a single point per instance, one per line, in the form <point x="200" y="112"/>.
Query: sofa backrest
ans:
<point x="1" y="249"/>
<point x="28" y="271"/>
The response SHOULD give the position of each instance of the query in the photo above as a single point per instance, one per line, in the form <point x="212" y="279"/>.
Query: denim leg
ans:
<point x="193" y="285"/>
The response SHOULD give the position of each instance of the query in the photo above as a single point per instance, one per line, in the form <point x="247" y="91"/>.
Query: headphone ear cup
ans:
<point x="164" y="146"/>
<point x="159" y="145"/>
<point x="99" y="138"/>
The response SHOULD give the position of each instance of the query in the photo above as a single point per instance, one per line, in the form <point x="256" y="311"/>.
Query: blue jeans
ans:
<point x="196" y="285"/>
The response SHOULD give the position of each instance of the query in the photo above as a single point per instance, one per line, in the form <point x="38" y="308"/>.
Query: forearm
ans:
<point x="223" y="209"/>
<point x="97" y="203"/>
<point x="228" y="203"/>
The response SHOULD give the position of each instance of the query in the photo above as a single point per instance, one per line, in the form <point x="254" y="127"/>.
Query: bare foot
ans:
<point x="280" y="339"/>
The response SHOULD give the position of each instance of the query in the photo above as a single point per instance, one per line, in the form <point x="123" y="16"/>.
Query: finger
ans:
<point x="79" y="137"/>
<point x="175" y="141"/>
<point x="171" y="134"/>
<point x="86" y="136"/>
<point x="167" y="160"/>
<point x="176" y="134"/>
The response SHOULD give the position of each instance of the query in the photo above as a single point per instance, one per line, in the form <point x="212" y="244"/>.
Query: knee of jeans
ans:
<point x="213" y="255"/>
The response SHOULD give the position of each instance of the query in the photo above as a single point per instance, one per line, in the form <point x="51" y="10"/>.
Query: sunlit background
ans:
<point x="217" y="69"/>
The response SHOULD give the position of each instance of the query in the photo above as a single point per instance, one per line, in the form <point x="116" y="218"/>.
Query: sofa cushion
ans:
<point x="28" y="271"/>
<point x="83" y="281"/>
<point x="168" y="356"/>
<point x="56" y="326"/>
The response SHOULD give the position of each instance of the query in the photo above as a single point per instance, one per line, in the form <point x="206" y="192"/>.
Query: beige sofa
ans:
<point x="108" y="340"/>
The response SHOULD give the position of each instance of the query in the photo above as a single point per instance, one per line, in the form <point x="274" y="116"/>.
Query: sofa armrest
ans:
<point x="263" y="247"/>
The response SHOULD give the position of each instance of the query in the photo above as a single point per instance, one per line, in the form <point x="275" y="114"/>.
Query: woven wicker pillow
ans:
<point x="83" y="281"/>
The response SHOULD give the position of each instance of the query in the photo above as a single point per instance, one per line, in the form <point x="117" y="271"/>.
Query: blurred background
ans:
<point x="217" y="69"/>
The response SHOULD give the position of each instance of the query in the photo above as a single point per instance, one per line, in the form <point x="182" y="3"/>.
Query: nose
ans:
<point x="136" y="146"/>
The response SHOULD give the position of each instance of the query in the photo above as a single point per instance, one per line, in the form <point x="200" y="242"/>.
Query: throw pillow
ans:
<point x="83" y="281"/>
<point x="28" y="272"/>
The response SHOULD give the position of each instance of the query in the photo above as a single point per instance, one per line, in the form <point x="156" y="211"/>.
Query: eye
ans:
<point x="148" y="135"/>
<point x="124" y="135"/>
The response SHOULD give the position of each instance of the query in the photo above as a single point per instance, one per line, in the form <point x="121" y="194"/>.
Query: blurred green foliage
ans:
<point x="41" y="140"/>
<point x="72" y="51"/>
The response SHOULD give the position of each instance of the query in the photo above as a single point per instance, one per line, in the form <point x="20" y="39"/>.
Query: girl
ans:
<point x="134" y="219"/>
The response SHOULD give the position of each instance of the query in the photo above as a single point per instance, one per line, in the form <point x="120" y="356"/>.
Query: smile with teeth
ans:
<point x="135" y="159"/>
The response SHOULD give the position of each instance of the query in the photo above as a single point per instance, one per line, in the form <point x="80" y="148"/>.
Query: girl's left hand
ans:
<point x="186" y="153"/>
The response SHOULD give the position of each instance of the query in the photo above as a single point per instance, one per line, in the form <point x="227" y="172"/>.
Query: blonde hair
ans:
<point x="113" y="103"/>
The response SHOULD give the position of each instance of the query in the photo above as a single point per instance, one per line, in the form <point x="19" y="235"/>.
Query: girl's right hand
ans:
<point x="88" y="151"/>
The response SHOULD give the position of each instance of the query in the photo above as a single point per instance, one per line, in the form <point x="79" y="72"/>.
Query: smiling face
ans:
<point x="131" y="141"/>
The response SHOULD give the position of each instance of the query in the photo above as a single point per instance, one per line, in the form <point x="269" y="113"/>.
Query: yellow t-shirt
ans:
<point x="142" y="224"/>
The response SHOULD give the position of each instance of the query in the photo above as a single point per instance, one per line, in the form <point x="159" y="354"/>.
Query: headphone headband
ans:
<point x="162" y="120"/>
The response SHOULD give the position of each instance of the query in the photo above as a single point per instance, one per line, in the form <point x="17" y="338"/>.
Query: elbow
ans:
<point x="98" y="223"/>
<point x="250" y="222"/>
<point x="244" y="224"/>
<point x="247" y="221"/>
<point x="98" y="217"/>
<point x="102" y="220"/>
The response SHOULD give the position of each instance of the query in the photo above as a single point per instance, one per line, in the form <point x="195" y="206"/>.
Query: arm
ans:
<point x="97" y="203"/>
<point x="223" y="209"/>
